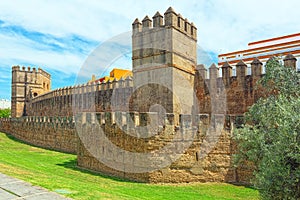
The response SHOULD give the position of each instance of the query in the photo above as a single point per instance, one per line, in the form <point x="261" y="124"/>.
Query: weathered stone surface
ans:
<point x="51" y="135"/>
<point x="25" y="85"/>
<point x="170" y="101"/>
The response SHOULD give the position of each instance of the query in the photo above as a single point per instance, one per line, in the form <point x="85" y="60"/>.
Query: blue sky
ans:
<point x="58" y="36"/>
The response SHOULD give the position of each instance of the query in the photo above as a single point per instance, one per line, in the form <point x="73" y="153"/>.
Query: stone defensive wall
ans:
<point x="234" y="93"/>
<point x="57" y="133"/>
<point x="231" y="93"/>
<point x="198" y="149"/>
<point x="110" y="139"/>
<point x="82" y="98"/>
<point x="137" y="146"/>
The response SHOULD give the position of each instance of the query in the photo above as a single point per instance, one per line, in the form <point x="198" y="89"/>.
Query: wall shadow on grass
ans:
<point x="72" y="164"/>
<point x="11" y="137"/>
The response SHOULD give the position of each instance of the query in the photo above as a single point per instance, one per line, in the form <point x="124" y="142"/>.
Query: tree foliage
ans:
<point x="4" y="113"/>
<point x="270" y="139"/>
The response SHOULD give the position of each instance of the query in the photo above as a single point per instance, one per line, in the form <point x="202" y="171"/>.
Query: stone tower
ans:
<point x="27" y="84"/>
<point x="164" y="56"/>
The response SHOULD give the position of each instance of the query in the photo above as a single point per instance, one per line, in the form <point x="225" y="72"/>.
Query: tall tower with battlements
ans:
<point x="26" y="84"/>
<point x="164" y="56"/>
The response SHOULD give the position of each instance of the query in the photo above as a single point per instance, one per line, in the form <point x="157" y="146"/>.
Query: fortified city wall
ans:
<point x="90" y="97"/>
<point x="192" y="165"/>
<point x="80" y="134"/>
<point x="238" y="93"/>
<point x="57" y="133"/>
<point x="90" y="119"/>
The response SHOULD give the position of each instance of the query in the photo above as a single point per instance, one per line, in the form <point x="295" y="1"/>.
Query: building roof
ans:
<point x="274" y="39"/>
<point x="115" y="74"/>
<point x="264" y="49"/>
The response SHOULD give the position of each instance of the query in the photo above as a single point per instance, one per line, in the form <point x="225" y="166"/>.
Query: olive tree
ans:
<point x="270" y="138"/>
<point x="4" y="113"/>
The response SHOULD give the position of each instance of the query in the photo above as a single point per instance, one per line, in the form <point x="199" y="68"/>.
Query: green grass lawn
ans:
<point x="57" y="172"/>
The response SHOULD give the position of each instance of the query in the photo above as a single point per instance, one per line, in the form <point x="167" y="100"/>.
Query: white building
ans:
<point x="263" y="50"/>
<point x="5" y="103"/>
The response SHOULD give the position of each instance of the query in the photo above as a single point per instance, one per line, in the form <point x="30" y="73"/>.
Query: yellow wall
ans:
<point x="118" y="73"/>
<point x="115" y="73"/>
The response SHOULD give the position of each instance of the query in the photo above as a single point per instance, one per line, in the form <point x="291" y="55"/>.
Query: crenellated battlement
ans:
<point x="241" y="69"/>
<point x="150" y="120"/>
<point x="239" y="90"/>
<point x="24" y="69"/>
<point x="86" y="88"/>
<point x="29" y="69"/>
<point x="237" y="87"/>
<point x="153" y="120"/>
<point x="16" y="68"/>
<point x="170" y="19"/>
<point x="84" y="97"/>
<point x="46" y="74"/>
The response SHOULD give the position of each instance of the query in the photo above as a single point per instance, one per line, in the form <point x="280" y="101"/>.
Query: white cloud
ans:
<point x="223" y="25"/>
<point x="230" y="25"/>
<point x="23" y="50"/>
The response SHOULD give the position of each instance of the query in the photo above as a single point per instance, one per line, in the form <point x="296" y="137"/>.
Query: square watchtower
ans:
<point x="27" y="84"/>
<point x="164" y="56"/>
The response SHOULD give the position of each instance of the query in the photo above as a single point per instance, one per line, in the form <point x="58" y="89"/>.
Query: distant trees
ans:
<point x="4" y="113"/>
<point x="271" y="137"/>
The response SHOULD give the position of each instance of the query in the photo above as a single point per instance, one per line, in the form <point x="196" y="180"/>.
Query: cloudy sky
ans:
<point x="60" y="35"/>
